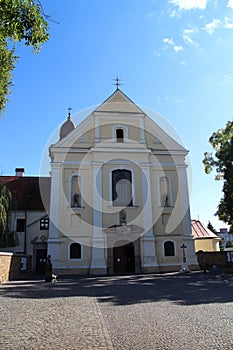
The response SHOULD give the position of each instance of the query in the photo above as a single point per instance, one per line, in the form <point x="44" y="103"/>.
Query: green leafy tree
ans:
<point x="222" y="162"/>
<point x="211" y="227"/>
<point x="20" y="21"/>
<point x="6" y="237"/>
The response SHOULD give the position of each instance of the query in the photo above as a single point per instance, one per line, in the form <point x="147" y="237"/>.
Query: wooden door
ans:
<point x="41" y="256"/>
<point x="124" y="261"/>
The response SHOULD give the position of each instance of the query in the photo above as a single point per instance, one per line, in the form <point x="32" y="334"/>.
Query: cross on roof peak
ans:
<point x="117" y="82"/>
<point x="69" y="111"/>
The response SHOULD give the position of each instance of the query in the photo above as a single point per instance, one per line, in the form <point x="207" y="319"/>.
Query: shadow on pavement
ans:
<point x="183" y="289"/>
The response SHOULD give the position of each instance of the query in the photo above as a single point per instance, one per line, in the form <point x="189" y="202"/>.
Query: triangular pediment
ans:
<point x="119" y="109"/>
<point x="119" y="102"/>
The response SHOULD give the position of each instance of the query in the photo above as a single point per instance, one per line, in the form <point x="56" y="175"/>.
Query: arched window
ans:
<point x="120" y="132"/>
<point x="169" y="248"/>
<point x="75" y="251"/>
<point x="122" y="188"/>
<point x="75" y="191"/>
<point x="119" y="135"/>
<point x="165" y="191"/>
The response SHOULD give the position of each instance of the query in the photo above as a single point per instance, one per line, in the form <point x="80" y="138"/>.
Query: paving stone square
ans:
<point x="170" y="311"/>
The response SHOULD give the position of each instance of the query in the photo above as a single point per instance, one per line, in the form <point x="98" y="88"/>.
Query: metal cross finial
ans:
<point x="69" y="111"/>
<point x="183" y="247"/>
<point x="117" y="82"/>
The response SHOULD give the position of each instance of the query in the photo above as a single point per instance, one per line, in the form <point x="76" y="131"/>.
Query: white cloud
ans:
<point x="210" y="27"/>
<point x="187" y="37"/>
<point x="190" y="4"/>
<point x="189" y="31"/>
<point x="228" y="23"/>
<point x="230" y="4"/>
<point x="188" y="40"/>
<point x="173" y="13"/>
<point x="177" y="48"/>
<point x="168" y="41"/>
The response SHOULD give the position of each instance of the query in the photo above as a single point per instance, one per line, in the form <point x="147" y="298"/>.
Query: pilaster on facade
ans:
<point x="146" y="199"/>
<point x="98" y="261"/>
<point x="53" y="251"/>
<point x="142" y="130"/>
<point x="97" y="130"/>
<point x="55" y="200"/>
<point x="97" y="197"/>
<point x="53" y="237"/>
<point x="184" y="193"/>
<point x="149" y="260"/>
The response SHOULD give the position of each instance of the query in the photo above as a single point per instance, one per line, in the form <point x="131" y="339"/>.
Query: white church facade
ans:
<point x="119" y="195"/>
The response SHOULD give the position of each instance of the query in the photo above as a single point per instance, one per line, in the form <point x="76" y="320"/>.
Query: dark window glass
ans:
<point x="75" y="251"/>
<point x="122" y="188"/>
<point x="169" y="249"/>
<point x="20" y="226"/>
<point x="120" y="135"/>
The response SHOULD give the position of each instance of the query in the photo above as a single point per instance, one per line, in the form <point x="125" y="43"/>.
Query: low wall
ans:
<point x="213" y="258"/>
<point x="13" y="266"/>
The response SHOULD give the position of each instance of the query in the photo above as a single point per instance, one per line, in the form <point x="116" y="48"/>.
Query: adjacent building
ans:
<point x="29" y="220"/>
<point x="205" y="240"/>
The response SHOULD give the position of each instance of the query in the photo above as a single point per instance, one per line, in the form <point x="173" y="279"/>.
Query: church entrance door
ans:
<point x="124" y="260"/>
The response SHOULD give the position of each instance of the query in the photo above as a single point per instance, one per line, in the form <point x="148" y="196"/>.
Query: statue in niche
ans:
<point x="123" y="220"/>
<point x="76" y="200"/>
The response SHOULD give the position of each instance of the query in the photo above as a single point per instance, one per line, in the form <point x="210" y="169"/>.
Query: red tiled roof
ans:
<point x="201" y="231"/>
<point x="25" y="191"/>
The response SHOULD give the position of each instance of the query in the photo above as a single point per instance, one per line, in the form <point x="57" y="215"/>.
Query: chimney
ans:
<point x="19" y="172"/>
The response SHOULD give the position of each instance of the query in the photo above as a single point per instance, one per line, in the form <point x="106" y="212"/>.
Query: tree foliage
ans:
<point x="211" y="227"/>
<point x="20" y="21"/>
<point x="6" y="237"/>
<point x="222" y="162"/>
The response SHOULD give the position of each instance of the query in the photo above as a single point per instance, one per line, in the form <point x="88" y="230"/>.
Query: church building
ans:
<point x="119" y="195"/>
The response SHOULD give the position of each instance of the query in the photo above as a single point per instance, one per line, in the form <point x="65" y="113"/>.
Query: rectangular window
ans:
<point x="44" y="224"/>
<point x="20" y="225"/>
<point x="75" y="251"/>
<point x="120" y="135"/>
<point x="122" y="188"/>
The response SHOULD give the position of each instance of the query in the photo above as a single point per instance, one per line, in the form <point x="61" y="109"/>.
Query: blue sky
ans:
<point x="174" y="57"/>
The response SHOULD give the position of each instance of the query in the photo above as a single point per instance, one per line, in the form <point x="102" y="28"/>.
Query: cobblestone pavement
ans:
<point x="171" y="311"/>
